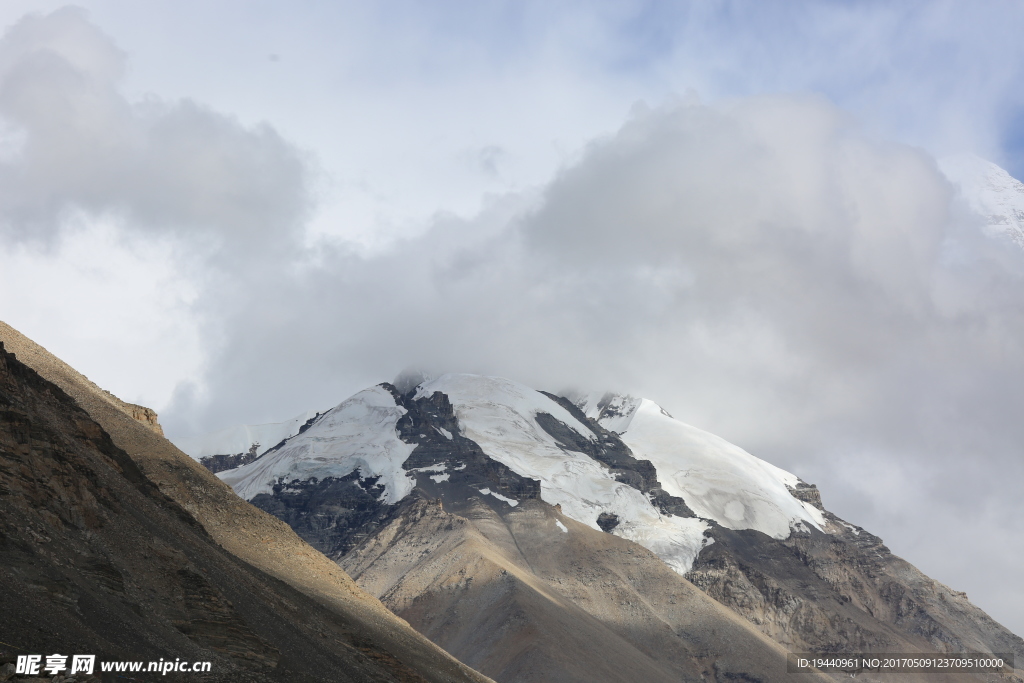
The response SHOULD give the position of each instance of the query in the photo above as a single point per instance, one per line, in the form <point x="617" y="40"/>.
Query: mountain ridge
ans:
<point x="755" y="538"/>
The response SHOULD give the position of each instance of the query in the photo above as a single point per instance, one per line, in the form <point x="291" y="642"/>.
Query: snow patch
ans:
<point x="438" y="478"/>
<point x="561" y="526"/>
<point x="852" y="528"/>
<point x="440" y="467"/>
<point x="511" y="501"/>
<point x="444" y="432"/>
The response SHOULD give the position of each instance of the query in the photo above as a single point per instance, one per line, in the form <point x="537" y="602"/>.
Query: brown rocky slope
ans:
<point x="96" y="556"/>
<point x="512" y="594"/>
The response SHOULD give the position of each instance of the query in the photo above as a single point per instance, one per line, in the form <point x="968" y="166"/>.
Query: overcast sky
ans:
<point x="237" y="211"/>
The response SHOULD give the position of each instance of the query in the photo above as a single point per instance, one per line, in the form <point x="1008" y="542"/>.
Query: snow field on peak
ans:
<point x="518" y="399"/>
<point x="717" y="480"/>
<point x="359" y="434"/>
<point x="239" y="439"/>
<point x="500" y="416"/>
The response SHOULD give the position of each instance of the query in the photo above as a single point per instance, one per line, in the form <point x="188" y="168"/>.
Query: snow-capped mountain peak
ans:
<point x="615" y="463"/>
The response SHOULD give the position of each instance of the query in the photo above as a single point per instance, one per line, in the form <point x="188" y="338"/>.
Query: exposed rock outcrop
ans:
<point x="146" y="416"/>
<point x="222" y="462"/>
<point x="430" y="423"/>
<point x="808" y="493"/>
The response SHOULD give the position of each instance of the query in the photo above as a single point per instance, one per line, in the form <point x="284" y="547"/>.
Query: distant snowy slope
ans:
<point x="612" y="411"/>
<point x="989" y="191"/>
<point x="239" y="439"/>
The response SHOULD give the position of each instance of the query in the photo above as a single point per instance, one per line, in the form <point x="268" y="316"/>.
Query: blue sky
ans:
<point x="237" y="211"/>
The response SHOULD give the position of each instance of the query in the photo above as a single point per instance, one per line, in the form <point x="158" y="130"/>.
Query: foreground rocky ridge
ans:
<point x="445" y="501"/>
<point x="116" y="543"/>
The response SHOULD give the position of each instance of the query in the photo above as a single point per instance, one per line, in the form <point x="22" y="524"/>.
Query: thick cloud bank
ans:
<point x="763" y="251"/>
<point x="761" y="267"/>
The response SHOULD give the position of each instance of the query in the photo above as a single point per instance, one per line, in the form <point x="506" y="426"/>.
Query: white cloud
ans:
<point x="131" y="207"/>
<point x="112" y="305"/>
<point x="169" y="167"/>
